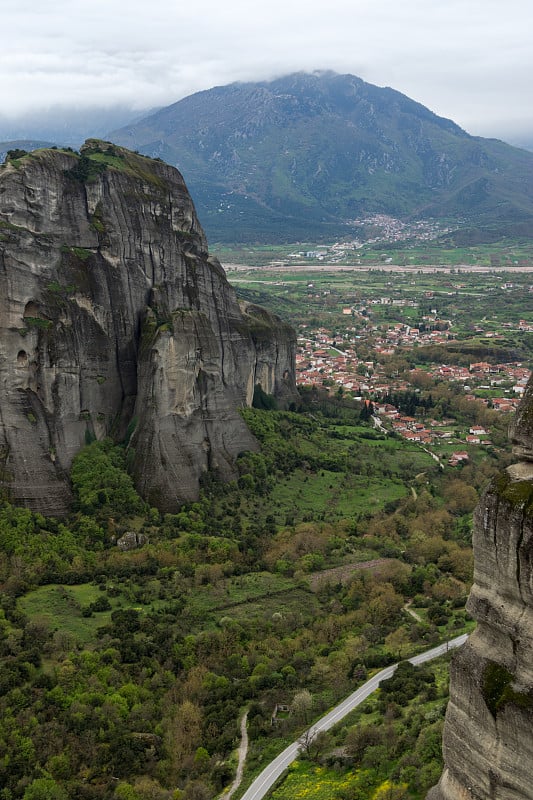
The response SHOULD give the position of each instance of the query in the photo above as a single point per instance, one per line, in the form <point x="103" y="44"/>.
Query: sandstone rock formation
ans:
<point x="114" y="320"/>
<point x="488" y="734"/>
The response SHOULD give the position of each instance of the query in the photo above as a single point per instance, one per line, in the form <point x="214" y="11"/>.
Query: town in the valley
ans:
<point x="441" y="357"/>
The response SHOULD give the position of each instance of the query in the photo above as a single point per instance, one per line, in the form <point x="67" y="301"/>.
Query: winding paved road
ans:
<point x="276" y="768"/>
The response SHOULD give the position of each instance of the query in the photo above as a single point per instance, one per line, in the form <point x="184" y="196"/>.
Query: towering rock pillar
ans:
<point x="113" y="315"/>
<point x="488" y="734"/>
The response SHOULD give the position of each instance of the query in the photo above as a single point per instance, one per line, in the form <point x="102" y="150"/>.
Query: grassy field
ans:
<point x="498" y="255"/>
<point x="341" y="496"/>
<point x="351" y="470"/>
<point x="254" y="595"/>
<point x="306" y="781"/>
<point x="342" y="283"/>
<point x="60" y="608"/>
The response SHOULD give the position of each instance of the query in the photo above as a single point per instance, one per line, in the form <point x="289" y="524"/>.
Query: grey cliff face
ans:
<point x="521" y="432"/>
<point x="488" y="734"/>
<point x="112" y="314"/>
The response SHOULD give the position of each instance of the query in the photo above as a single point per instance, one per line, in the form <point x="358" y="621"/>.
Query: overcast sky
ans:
<point x="469" y="60"/>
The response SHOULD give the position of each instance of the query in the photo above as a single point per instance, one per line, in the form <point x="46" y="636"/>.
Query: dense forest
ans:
<point x="131" y="642"/>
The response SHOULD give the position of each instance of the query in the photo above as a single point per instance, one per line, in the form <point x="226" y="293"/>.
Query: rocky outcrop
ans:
<point x="488" y="734"/>
<point x="131" y="540"/>
<point x="114" y="320"/>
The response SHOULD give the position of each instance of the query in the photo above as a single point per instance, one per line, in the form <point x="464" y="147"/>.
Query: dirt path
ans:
<point x="411" y="612"/>
<point x="243" y="750"/>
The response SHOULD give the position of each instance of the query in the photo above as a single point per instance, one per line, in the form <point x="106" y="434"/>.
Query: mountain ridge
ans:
<point x="311" y="152"/>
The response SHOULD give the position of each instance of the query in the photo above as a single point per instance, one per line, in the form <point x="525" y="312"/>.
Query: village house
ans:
<point x="504" y="404"/>
<point x="411" y="436"/>
<point x="458" y="458"/>
<point x="481" y="366"/>
<point x="477" y="430"/>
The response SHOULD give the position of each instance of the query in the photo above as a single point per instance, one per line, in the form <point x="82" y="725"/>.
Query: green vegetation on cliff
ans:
<point x="498" y="689"/>
<point x="518" y="493"/>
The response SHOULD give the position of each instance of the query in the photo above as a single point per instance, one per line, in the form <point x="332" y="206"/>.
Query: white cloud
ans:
<point x="465" y="59"/>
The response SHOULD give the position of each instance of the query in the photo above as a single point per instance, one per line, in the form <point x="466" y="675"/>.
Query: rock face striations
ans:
<point x="488" y="735"/>
<point x="114" y="320"/>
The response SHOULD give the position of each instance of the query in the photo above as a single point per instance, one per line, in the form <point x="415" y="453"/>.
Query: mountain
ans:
<point x="303" y="155"/>
<point x="488" y="747"/>
<point x="115" y="321"/>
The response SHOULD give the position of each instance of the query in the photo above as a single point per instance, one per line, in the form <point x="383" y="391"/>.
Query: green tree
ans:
<point x="301" y="705"/>
<point x="125" y="791"/>
<point x="397" y="642"/>
<point x="101" y="482"/>
<point x="45" y="789"/>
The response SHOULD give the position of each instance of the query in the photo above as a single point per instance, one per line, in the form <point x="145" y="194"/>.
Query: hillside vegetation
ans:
<point x="125" y="671"/>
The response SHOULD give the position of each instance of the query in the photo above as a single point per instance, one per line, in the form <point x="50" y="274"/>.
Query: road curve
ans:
<point x="265" y="780"/>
